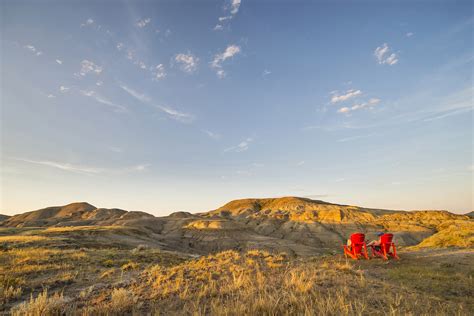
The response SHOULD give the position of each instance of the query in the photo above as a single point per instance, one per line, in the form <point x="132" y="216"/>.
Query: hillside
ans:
<point x="456" y="234"/>
<point x="297" y="226"/>
<point x="74" y="214"/>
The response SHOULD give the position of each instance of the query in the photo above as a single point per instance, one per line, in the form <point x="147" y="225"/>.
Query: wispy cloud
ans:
<point x="457" y="103"/>
<point x="59" y="61"/>
<point x="266" y="73"/>
<point x="234" y="6"/>
<point x="409" y="34"/>
<point x="158" y="72"/>
<point x="447" y="113"/>
<point x="349" y="94"/>
<point x="171" y="112"/>
<point x="143" y="22"/>
<point x="229" y="52"/>
<point x="85" y="169"/>
<point x="88" y="66"/>
<point x="351" y="138"/>
<point x="64" y="166"/>
<point x="187" y="62"/>
<point x="88" y="22"/>
<point x="231" y="9"/>
<point x="33" y="49"/>
<point x="63" y="89"/>
<point x="212" y="135"/>
<point x="383" y="55"/>
<point x="131" y="55"/>
<point x="242" y="146"/>
<point x="175" y="114"/>
<point x="103" y="100"/>
<point x="359" y="106"/>
<point x="139" y="96"/>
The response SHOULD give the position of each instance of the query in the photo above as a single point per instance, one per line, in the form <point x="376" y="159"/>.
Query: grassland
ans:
<point x="56" y="274"/>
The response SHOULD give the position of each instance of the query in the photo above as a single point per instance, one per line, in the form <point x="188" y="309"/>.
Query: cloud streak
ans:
<point x="84" y="169"/>
<point x="349" y="94"/>
<point x="102" y="100"/>
<point x="169" y="111"/>
<point x="359" y="106"/>
<point x="241" y="147"/>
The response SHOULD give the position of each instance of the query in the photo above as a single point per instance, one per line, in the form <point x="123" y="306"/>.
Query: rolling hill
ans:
<point x="297" y="226"/>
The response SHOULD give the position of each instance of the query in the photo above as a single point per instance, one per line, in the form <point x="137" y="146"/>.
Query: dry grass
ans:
<point x="457" y="234"/>
<point x="71" y="268"/>
<point x="68" y="229"/>
<point x="21" y="239"/>
<point x="260" y="283"/>
<point x="41" y="305"/>
<point x="36" y="280"/>
<point x="121" y="300"/>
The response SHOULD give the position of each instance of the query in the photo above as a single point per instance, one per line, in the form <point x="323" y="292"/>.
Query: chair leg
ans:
<point x="348" y="252"/>
<point x="384" y="253"/>
<point x="395" y="252"/>
<point x="366" y="254"/>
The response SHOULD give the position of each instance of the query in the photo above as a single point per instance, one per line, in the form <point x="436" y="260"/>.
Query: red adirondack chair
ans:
<point x="383" y="250"/>
<point x="358" y="248"/>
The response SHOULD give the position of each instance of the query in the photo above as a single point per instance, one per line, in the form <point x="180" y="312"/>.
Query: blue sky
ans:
<point x="184" y="105"/>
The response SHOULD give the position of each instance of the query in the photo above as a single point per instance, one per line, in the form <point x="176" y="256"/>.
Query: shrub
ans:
<point x="7" y="293"/>
<point x="41" y="305"/>
<point x="121" y="300"/>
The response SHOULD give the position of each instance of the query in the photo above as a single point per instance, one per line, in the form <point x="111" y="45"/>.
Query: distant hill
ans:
<point x="3" y="217"/>
<point x="470" y="214"/>
<point x="74" y="214"/>
<point x="298" y="226"/>
<point x="458" y="234"/>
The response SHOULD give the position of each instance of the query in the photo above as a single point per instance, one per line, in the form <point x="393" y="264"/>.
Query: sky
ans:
<point x="162" y="106"/>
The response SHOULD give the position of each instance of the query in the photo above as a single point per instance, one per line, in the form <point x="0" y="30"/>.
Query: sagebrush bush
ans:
<point x="41" y="305"/>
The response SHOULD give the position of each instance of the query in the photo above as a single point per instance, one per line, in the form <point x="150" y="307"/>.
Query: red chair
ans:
<point x="383" y="250"/>
<point x="358" y="248"/>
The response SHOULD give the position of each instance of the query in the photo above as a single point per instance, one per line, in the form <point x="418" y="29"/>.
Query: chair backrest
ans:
<point x="386" y="241"/>
<point x="357" y="241"/>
